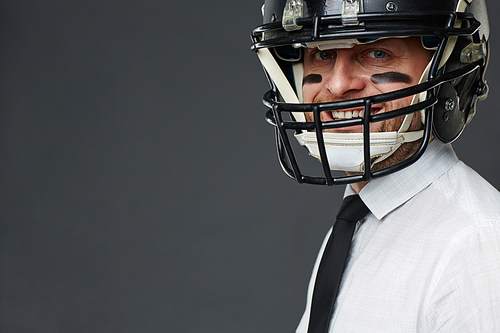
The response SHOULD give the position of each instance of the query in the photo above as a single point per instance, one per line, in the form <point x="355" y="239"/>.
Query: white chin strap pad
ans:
<point x="345" y="151"/>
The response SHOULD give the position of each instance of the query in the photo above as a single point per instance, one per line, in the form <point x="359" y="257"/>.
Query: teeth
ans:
<point x="347" y="114"/>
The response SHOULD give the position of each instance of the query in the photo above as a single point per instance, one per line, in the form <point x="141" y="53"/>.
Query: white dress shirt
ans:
<point x="427" y="257"/>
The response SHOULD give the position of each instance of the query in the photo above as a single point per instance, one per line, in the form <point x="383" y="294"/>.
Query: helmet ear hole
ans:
<point x="449" y="119"/>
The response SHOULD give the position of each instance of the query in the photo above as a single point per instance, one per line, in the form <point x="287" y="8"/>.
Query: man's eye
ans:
<point x="378" y="54"/>
<point x="324" y="55"/>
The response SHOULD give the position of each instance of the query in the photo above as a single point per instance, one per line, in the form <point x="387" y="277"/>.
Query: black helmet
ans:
<point x="456" y="31"/>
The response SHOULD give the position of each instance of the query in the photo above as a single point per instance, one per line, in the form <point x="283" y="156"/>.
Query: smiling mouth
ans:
<point x="347" y="114"/>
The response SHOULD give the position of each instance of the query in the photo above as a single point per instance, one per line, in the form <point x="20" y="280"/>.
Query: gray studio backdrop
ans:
<point x="140" y="191"/>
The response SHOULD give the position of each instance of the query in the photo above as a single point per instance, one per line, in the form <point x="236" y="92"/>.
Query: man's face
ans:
<point x="361" y="71"/>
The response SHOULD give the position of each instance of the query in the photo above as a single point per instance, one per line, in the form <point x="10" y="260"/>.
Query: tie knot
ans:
<point x="352" y="209"/>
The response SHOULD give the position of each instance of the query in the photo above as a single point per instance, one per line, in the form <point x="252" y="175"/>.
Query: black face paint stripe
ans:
<point x="312" y="78"/>
<point x="391" y="77"/>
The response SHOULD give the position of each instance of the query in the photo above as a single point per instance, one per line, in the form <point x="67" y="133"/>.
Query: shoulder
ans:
<point x="464" y="295"/>
<point x="469" y="195"/>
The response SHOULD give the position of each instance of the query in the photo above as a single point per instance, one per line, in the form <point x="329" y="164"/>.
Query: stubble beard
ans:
<point x="406" y="150"/>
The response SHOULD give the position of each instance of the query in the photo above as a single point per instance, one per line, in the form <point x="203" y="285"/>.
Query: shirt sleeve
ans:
<point x="466" y="295"/>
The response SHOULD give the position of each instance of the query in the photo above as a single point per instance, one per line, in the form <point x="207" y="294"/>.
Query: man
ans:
<point x="379" y="90"/>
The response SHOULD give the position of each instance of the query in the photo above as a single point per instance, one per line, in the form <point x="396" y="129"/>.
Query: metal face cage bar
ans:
<point x="285" y="151"/>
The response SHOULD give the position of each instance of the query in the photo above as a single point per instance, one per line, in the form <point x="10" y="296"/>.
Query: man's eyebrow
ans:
<point x="311" y="50"/>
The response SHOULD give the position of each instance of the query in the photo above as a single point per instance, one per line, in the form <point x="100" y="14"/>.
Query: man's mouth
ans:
<point x="338" y="115"/>
<point x="347" y="114"/>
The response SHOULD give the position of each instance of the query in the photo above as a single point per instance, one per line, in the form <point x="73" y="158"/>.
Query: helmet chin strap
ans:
<point x="345" y="150"/>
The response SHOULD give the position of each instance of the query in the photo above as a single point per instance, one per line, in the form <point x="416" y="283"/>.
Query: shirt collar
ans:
<point x="383" y="195"/>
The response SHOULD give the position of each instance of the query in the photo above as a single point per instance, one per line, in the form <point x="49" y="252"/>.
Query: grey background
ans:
<point x="140" y="191"/>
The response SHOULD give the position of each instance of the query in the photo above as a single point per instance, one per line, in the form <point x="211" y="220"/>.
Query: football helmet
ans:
<point x="456" y="32"/>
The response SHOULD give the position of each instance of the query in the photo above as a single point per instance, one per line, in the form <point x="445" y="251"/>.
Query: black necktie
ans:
<point x="333" y="262"/>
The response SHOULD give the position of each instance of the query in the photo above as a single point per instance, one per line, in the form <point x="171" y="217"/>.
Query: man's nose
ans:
<point x="346" y="78"/>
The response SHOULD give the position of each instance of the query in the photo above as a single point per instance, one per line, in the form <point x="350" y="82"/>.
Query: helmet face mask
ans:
<point x="449" y="88"/>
